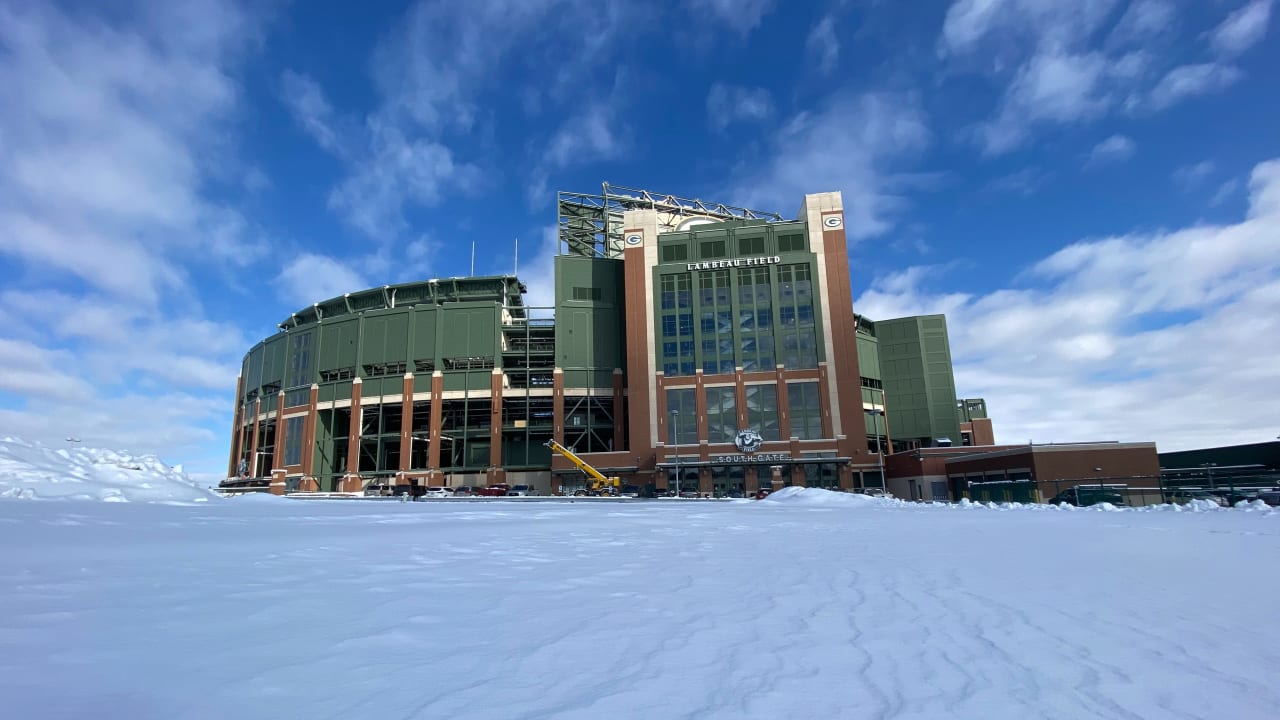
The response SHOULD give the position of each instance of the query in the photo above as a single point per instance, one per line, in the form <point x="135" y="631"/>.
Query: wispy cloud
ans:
<point x="1242" y="29"/>
<point x="1187" y="81"/>
<point x="850" y="145"/>
<point x="727" y="104"/>
<point x="1024" y="182"/>
<point x="1189" y="176"/>
<point x="822" y="46"/>
<point x="1096" y="332"/>
<point x="1116" y="148"/>
<point x="740" y="16"/>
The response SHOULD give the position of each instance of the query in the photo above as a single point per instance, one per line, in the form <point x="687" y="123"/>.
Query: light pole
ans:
<point x="675" y="445"/>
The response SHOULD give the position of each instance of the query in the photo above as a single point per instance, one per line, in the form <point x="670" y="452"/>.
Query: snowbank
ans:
<point x="31" y="471"/>
<point x="818" y="497"/>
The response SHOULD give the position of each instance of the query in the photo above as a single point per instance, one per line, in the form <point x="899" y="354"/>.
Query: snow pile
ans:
<point x="31" y="471"/>
<point x="808" y="496"/>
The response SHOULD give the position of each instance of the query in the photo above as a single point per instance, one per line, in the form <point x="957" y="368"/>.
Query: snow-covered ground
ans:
<point x="809" y="605"/>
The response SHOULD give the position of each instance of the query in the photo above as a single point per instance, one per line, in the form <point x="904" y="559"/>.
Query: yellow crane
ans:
<point x="597" y="483"/>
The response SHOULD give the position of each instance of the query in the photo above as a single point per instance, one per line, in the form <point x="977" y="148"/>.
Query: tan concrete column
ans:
<point x="253" y="442"/>
<point x="557" y="405"/>
<point x="824" y="387"/>
<point x="277" y="455"/>
<point x="437" y="415"/>
<point x="495" y="472"/>
<point x="406" y="429"/>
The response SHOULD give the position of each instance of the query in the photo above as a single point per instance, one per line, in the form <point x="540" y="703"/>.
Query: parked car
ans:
<point x="1270" y="497"/>
<point x="1084" y="496"/>
<point x="437" y="492"/>
<point x="629" y="491"/>
<point x="378" y="490"/>
<point x="521" y="491"/>
<point x="1182" y="497"/>
<point x="463" y="491"/>
<point x="495" y="490"/>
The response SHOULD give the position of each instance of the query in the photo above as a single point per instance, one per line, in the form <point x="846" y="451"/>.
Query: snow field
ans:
<point x="809" y="604"/>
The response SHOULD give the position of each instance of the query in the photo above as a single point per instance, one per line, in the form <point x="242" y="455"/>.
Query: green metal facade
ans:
<point x="915" y="361"/>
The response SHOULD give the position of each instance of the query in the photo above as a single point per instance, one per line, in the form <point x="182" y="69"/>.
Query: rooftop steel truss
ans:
<point x="592" y="224"/>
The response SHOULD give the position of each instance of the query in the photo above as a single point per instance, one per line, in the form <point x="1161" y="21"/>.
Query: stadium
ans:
<point x="691" y="345"/>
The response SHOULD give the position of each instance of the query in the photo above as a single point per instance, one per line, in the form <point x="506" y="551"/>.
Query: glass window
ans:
<point x="682" y="426"/>
<point x="762" y="410"/>
<point x="805" y="408"/>
<point x="668" y="325"/>
<point x="293" y="440"/>
<point x="722" y="414"/>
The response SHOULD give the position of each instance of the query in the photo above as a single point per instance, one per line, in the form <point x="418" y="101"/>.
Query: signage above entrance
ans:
<point x="752" y="459"/>
<point x="734" y="262"/>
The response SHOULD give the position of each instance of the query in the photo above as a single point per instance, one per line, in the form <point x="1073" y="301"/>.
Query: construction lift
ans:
<point x="597" y="483"/>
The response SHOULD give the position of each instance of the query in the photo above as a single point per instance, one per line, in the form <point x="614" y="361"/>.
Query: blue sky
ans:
<point x="1090" y="190"/>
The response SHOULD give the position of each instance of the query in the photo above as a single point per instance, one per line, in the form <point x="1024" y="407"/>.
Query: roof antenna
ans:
<point x="473" y="258"/>
<point x="517" y="269"/>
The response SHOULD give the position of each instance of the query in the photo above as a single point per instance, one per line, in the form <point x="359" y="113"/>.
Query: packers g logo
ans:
<point x="748" y="441"/>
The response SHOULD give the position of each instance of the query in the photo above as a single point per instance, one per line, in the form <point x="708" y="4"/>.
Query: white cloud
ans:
<point x="1096" y="335"/>
<point x="108" y="226"/>
<point x="1143" y="21"/>
<point x="311" y="278"/>
<point x="1116" y="148"/>
<point x="1189" y="176"/>
<point x="1060" y="88"/>
<point x="1023" y="182"/>
<point x="1242" y="29"/>
<point x="730" y="103"/>
<point x="1190" y="80"/>
<point x="432" y="73"/>
<point x="1224" y="192"/>
<point x="1049" y="24"/>
<point x="740" y="16"/>
<point x="822" y="45"/>
<point x="311" y="110"/>
<point x="590" y="134"/>
<point x="844" y="146"/>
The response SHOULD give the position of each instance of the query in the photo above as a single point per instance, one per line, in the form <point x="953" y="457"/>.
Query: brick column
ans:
<point x="351" y="480"/>
<point x="824" y="386"/>
<point x="309" y="482"/>
<point x="797" y="472"/>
